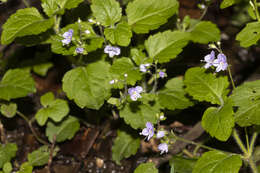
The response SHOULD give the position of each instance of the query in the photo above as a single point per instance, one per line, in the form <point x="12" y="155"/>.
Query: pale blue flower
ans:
<point x="79" y="50"/>
<point x="67" y="37"/>
<point x="163" y="147"/>
<point x="209" y="59"/>
<point x="160" y="134"/>
<point x="148" y="131"/>
<point x="162" y="74"/>
<point x="134" y="92"/>
<point x="112" y="51"/>
<point x="220" y="63"/>
<point x="144" y="67"/>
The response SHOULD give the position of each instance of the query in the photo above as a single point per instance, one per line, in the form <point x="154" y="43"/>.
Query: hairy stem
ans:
<point x="256" y="10"/>
<point x="2" y="131"/>
<point x="26" y="3"/>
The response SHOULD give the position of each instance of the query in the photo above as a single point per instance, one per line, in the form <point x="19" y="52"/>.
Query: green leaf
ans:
<point x="16" y="83"/>
<point x="40" y="156"/>
<point x="219" y="122"/>
<point x="107" y="12"/>
<point x="249" y="35"/>
<point x="24" y="22"/>
<point x="7" y="168"/>
<point x="54" y="109"/>
<point x="247" y="98"/>
<point x="204" y="86"/>
<point x="120" y="35"/>
<point x="136" y="115"/>
<point x="125" y="66"/>
<point x="173" y="96"/>
<point x="91" y="41"/>
<point x="47" y="98"/>
<point x="167" y="45"/>
<point x="64" y="130"/>
<point x="124" y="146"/>
<point x="146" y="168"/>
<point x="227" y="3"/>
<point x="182" y="164"/>
<point x="145" y="15"/>
<point x="9" y="110"/>
<point x="139" y="56"/>
<point x="42" y="69"/>
<point x="205" y="32"/>
<point x="51" y="7"/>
<point x="216" y="162"/>
<point x="26" y="167"/>
<point x="7" y="152"/>
<point x="88" y="86"/>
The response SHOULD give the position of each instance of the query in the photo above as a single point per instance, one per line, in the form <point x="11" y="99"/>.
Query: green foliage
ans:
<point x="227" y="3"/>
<point x="215" y="161"/>
<point x="40" y="156"/>
<point x="120" y="35"/>
<point x="205" y="32"/>
<point x="145" y="15"/>
<point x="173" y="95"/>
<point x="167" y="45"/>
<point x="124" y="146"/>
<point x="52" y="7"/>
<point x="88" y="86"/>
<point x="219" y="122"/>
<point x="247" y="98"/>
<point x="136" y="115"/>
<point x="8" y="110"/>
<point x="7" y="168"/>
<point x="42" y="69"/>
<point x="146" y="168"/>
<point x="107" y="12"/>
<point x="139" y="56"/>
<point x="16" y="83"/>
<point x="204" y="86"/>
<point x="249" y="35"/>
<point x="91" y="41"/>
<point x="54" y="109"/>
<point x="182" y="165"/>
<point x="7" y="152"/>
<point x="26" y="167"/>
<point x="24" y="22"/>
<point x="64" y="130"/>
<point x="125" y="66"/>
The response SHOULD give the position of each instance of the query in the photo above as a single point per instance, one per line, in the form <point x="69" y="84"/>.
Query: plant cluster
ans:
<point x="118" y="54"/>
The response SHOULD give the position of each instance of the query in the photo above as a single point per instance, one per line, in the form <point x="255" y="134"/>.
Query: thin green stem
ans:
<point x="57" y="24"/>
<point x="32" y="129"/>
<point x="26" y="3"/>
<point x="2" y="132"/>
<point x="247" y="140"/>
<point x="252" y="165"/>
<point x="239" y="142"/>
<point x="231" y="78"/>
<point x="252" y="142"/>
<point x="197" y="144"/>
<point x="256" y="10"/>
<point x="155" y="79"/>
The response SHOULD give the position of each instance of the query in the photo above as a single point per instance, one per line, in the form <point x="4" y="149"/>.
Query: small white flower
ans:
<point x="160" y="134"/>
<point x="91" y="20"/>
<point x="125" y="75"/>
<point x="112" y="51"/>
<point x="87" y="31"/>
<point x="144" y="67"/>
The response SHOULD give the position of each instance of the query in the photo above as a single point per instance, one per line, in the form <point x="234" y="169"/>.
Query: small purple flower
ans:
<point x="112" y="51"/>
<point x="160" y="134"/>
<point x="148" y="131"/>
<point x="67" y="37"/>
<point x="79" y="50"/>
<point x="162" y="74"/>
<point x="163" y="147"/>
<point x="209" y="59"/>
<point x="144" y="67"/>
<point x="220" y="62"/>
<point x="135" y="92"/>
